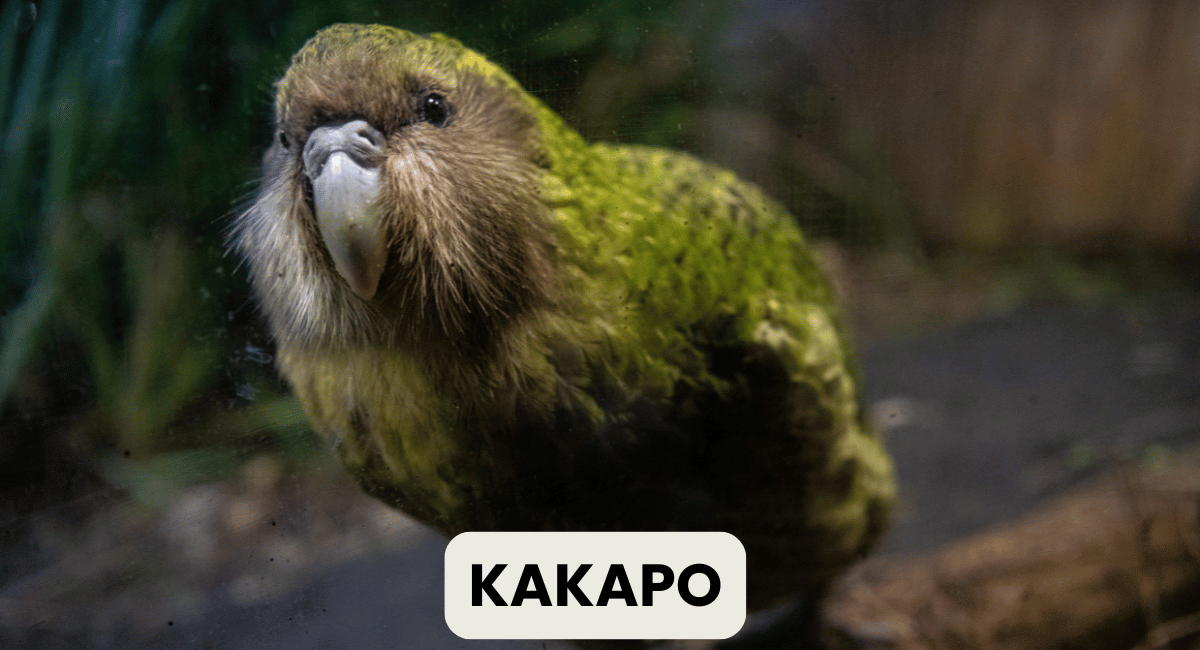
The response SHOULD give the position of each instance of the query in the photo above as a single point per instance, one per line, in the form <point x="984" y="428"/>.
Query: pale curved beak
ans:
<point x="342" y="163"/>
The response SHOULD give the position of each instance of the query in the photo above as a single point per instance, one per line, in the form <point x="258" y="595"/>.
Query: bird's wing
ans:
<point x="718" y="310"/>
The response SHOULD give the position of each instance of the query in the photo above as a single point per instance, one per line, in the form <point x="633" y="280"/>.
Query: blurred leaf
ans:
<point x="23" y="331"/>
<point x="9" y="24"/>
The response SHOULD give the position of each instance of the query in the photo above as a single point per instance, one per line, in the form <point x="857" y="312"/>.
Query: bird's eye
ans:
<point x="285" y="140"/>
<point x="434" y="108"/>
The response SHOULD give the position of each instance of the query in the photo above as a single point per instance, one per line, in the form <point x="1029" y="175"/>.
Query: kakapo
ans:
<point x="501" y="326"/>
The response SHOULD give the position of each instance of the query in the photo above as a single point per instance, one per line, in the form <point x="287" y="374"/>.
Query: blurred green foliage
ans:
<point x="131" y="130"/>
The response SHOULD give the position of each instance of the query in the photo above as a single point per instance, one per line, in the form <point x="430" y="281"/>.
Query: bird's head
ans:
<point x="399" y="204"/>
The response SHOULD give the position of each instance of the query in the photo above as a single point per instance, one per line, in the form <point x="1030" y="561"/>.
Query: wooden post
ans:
<point x="1115" y="564"/>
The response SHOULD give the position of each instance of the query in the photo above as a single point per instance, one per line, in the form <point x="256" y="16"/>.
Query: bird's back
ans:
<point x="727" y="336"/>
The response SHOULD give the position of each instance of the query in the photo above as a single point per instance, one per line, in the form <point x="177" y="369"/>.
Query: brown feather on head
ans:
<point x="400" y="205"/>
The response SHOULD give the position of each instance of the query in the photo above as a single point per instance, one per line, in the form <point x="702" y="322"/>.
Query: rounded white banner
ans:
<point x="595" y="585"/>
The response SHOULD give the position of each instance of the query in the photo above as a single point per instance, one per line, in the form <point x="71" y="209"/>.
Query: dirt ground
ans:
<point x="986" y="418"/>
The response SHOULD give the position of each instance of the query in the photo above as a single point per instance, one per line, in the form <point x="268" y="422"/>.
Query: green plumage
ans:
<point x="565" y="335"/>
